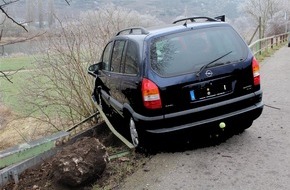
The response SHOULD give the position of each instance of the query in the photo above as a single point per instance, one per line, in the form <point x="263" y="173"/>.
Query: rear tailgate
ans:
<point x="226" y="82"/>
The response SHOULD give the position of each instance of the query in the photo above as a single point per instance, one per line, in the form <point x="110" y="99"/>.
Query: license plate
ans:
<point x="210" y="90"/>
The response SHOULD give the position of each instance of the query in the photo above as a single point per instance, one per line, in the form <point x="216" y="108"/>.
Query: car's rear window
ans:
<point x="188" y="51"/>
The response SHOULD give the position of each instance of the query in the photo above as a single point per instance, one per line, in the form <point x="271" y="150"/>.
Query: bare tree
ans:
<point x="61" y="89"/>
<point x="244" y="27"/>
<point x="2" y="8"/>
<point x="29" y="18"/>
<point x="277" y="24"/>
<point x="264" y="9"/>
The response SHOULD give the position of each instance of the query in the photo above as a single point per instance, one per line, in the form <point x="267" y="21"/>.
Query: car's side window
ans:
<point x="117" y="55"/>
<point x="106" y="57"/>
<point x="131" y="59"/>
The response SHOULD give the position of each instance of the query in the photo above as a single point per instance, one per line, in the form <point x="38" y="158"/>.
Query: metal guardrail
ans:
<point x="15" y="160"/>
<point x="265" y="44"/>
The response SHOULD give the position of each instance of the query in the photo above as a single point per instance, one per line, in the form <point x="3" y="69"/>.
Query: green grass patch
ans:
<point x="17" y="63"/>
<point x="268" y="53"/>
<point x="11" y="92"/>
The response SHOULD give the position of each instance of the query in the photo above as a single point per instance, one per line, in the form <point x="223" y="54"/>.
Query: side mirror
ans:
<point x="94" y="69"/>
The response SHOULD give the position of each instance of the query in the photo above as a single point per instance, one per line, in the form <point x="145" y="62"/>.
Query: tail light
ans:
<point x="256" y="72"/>
<point x="151" y="95"/>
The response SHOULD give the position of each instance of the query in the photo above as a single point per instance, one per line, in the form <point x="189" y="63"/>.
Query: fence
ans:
<point x="263" y="45"/>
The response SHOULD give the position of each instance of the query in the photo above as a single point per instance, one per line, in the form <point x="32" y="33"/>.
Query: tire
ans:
<point x="137" y="137"/>
<point x="134" y="133"/>
<point x="288" y="44"/>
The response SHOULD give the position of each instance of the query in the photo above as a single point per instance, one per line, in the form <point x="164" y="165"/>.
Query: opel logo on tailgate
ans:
<point x="208" y="73"/>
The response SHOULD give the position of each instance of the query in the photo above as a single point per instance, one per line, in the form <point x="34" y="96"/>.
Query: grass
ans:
<point x="268" y="53"/>
<point x="11" y="92"/>
<point x="17" y="62"/>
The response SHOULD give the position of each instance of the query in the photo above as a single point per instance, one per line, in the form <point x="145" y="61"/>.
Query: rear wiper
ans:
<point x="208" y="64"/>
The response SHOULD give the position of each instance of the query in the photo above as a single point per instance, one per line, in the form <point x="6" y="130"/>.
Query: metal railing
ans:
<point x="265" y="44"/>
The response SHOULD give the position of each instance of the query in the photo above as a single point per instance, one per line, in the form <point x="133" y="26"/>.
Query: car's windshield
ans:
<point x="189" y="51"/>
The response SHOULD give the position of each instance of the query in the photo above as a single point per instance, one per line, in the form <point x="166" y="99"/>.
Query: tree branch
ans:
<point x="9" y="17"/>
<point x="67" y="1"/>
<point x="22" y="40"/>
<point x="5" y="76"/>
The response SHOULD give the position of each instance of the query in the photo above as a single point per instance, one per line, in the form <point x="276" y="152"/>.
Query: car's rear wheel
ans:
<point x="134" y="133"/>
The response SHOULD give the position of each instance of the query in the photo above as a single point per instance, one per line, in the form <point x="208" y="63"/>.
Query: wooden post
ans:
<point x="260" y="35"/>
<point x="272" y="43"/>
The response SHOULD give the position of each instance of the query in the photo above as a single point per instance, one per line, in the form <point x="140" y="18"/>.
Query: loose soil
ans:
<point x="13" y="132"/>
<point x="41" y="177"/>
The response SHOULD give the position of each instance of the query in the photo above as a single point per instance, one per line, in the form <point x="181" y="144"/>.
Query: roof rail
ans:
<point x="131" y="30"/>
<point x="193" y="19"/>
<point x="221" y="18"/>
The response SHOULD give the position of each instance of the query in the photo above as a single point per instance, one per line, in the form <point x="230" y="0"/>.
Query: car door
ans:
<point x="112" y="74"/>
<point x="131" y="77"/>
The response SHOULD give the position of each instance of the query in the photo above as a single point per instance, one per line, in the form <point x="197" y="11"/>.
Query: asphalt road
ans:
<point x="259" y="158"/>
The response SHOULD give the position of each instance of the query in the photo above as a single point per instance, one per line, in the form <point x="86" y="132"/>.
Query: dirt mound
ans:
<point x="81" y="162"/>
<point x="44" y="177"/>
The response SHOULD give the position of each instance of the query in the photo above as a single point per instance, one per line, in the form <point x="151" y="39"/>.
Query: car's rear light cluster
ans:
<point x="151" y="95"/>
<point x="256" y="72"/>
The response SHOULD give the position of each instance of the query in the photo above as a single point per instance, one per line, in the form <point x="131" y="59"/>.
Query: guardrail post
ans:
<point x="272" y="43"/>
<point x="260" y="35"/>
<point x="267" y="46"/>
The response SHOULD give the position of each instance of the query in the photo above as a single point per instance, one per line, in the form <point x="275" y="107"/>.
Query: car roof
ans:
<point x="176" y="27"/>
<point x="182" y="24"/>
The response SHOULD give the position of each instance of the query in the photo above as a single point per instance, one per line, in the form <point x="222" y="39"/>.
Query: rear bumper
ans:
<point x="248" y="107"/>
<point x="250" y="113"/>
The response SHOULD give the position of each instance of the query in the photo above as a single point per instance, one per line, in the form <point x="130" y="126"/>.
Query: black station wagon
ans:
<point x="196" y="73"/>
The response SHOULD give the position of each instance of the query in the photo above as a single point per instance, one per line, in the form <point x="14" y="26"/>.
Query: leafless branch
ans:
<point x="67" y="1"/>
<point x="22" y="40"/>
<point x="9" y="17"/>
<point x="8" y="3"/>
<point x="5" y="75"/>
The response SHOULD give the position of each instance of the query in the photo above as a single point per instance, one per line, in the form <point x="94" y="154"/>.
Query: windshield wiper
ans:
<point x="208" y="64"/>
